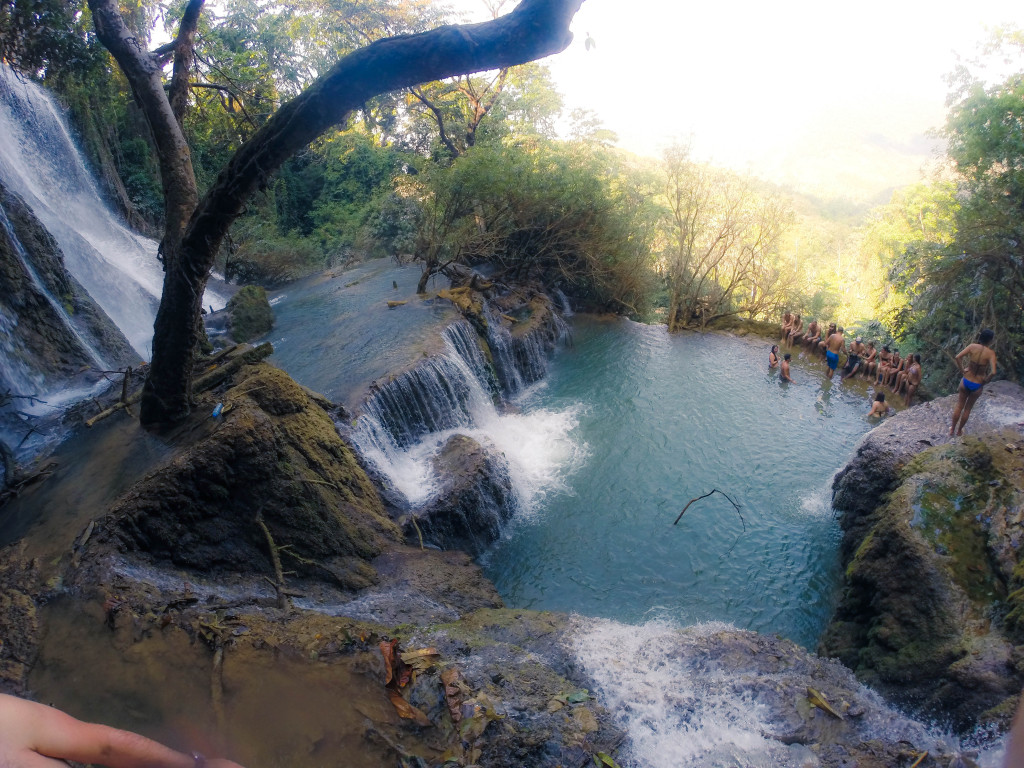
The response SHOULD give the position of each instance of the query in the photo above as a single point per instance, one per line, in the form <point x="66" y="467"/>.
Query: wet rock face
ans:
<point x="519" y="666"/>
<point x="930" y="613"/>
<point x="475" y="499"/>
<point x="35" y="338"/>
<point x="274" y="458"/>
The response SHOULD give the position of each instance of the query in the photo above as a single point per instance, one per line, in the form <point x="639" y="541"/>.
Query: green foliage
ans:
<point x="571" y="216"/>
<point x="956" y="253"/>
<point x="722" y="241"/>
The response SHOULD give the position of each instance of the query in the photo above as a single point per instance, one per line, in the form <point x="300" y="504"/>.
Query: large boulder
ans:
<point x="271" y="479"/>
<point x="931" y="611"/>
<point x="249" y="314"/>
<point x="474" y="500"/>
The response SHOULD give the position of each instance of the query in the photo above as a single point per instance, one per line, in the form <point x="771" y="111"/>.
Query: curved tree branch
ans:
<point x="536" y="28"/>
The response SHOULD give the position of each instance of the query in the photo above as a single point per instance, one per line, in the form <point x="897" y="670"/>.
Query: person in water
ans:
<point x="981" y="367"/>
<point x="879" y="407"/>
<point x="784" y="371"/>
<point x="35" y="736"/>
<point x="833" y="346"/>
<point x="823" y="344"/>
<point x="773" y="358"/>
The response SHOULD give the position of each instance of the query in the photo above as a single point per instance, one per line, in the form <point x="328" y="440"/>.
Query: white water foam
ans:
<point x="675" y="716"/>
<point x="538" y="445"/>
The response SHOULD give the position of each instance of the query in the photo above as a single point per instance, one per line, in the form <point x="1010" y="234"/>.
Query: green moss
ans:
<point x="250" y="313"/>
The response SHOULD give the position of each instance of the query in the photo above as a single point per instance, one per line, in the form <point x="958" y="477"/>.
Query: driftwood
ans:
<point x="393" y="304"/>
<point x="713" y="490"/>
<point x="200" y="383"/>
<point x="247" y="357"/>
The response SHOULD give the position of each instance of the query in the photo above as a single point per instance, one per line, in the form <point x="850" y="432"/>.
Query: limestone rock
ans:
<point x="932" y="609"/>
<point x="276" y="455"/>
<point x="475" y="499"/>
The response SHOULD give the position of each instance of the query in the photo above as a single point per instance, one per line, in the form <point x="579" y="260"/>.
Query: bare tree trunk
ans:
<point x="536" y="28"/>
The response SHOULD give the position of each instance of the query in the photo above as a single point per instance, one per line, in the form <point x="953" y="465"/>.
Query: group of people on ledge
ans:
<point x="885" y="367"/>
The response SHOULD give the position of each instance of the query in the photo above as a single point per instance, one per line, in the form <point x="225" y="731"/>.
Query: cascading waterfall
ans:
<point x="40" y="162"/>
<point x="405" y="422"/>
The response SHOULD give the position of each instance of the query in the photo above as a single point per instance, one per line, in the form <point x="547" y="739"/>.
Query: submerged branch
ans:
<point x="713" y="490"/>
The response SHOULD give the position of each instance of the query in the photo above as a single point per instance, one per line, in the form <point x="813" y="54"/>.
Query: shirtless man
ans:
<point x="853" y="358"/>
<point x="796" y="329"/>
<point x="981" y="367"/>
<point x="787" y="326"/>
<point x="824" y="342"/>
<point x="834" y="344"/>
<point x="913" y="379"/>
<point x="36" y="736"/>
<point x="813" y="335"/>
<point x="784" y="371"/>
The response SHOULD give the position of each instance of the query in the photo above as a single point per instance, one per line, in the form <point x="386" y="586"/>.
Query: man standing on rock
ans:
<point x="833" y="346"/>
<point x="981" y="367"/>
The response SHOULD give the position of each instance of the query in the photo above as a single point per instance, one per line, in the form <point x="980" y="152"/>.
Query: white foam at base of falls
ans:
<point x="537" y="444"/>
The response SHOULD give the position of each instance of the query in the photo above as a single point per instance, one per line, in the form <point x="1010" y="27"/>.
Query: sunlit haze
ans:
<point x="828" y="97"/>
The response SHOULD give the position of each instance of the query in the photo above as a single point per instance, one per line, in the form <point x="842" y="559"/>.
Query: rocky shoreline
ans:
<point x="261" y="545"/>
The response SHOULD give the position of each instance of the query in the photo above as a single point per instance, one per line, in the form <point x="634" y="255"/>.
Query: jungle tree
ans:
<point x="194" y="228"/>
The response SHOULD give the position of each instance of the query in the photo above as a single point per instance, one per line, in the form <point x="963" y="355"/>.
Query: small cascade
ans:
<point x="405" y="422"/>
<point x="41" y="163"/>
<point x="563" y="304"/>
<point x="521" y="358"/>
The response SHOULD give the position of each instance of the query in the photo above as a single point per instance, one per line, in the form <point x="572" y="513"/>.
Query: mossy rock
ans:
<point x="249" y="314"/>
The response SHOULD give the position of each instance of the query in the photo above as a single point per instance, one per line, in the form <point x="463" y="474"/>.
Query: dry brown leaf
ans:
<point x="407" y="710"/>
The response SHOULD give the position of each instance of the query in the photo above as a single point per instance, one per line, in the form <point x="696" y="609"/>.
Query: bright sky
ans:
<point x="829" y="96"/>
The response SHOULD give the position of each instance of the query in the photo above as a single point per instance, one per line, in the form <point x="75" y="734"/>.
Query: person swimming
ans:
<point x="784" y="371"/>
<point x="981" y="367"/>
<point x="879" y="407"/>
<point x="773" y="358"/>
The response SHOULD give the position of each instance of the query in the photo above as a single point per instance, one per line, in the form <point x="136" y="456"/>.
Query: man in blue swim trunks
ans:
<point x="833" y="346"/>
<point x="981" y="367"/>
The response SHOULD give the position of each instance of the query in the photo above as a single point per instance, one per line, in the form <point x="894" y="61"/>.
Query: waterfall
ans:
<point x="41" y="163"/>
<point x="405" y="421"/>
<point x="20" y="370"/>
<point x="521" y="358"/>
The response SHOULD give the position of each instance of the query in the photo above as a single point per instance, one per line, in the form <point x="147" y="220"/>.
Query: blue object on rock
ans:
<point x="217" y="409"/>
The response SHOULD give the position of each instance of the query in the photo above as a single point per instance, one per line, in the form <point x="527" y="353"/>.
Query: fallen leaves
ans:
<point x="400" y="670"/>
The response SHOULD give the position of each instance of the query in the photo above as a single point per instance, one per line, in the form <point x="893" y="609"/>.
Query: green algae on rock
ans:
<point x="275" y="455"/>
<point x="249" y="314"/>
<point x="931" y="608"/>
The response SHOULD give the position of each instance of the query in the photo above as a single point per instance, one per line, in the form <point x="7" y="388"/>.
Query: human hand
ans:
<point x="220" y="762"/>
